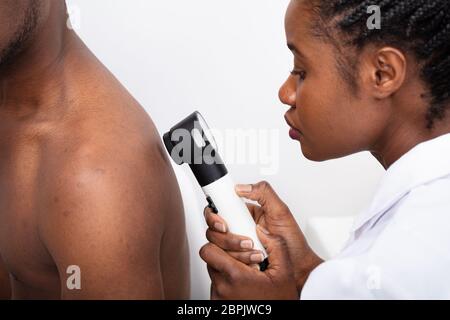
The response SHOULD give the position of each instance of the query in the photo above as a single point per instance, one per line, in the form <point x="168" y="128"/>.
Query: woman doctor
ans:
<point x="352" y="89"/>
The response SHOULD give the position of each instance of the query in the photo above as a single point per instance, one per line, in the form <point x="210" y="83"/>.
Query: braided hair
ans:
<point x="421" y="27"/>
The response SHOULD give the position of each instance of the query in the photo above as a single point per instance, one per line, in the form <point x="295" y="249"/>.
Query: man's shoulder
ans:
<point x="114" y="158"/>
<point x="130" y="157"/>
<point x="107" y="186"/>
<point x="110" y="132"/>
<point x="105" y="117"/>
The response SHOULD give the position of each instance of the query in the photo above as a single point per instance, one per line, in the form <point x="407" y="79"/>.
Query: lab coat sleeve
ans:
<point x="407" y="259"/>
<point x="338" y="279"/>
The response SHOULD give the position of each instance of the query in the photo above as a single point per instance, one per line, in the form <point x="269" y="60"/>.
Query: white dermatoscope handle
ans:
<point x="233" y="209"/>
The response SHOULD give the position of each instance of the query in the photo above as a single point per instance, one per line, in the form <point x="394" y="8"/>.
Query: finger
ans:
<point x="263" y="193"/>
<point x="249" y="258"/>
<point x="214" y="221"/>
<point x="213" y="274"/>
<point x="215" y="279"/>
<point x="212" y="292"/>
<point x="214" y="295"/>
<point x="229" y="241"/>
<point x="255" y="211"/>
<point x="219" y="260"/>
<point x="275" y="247"/>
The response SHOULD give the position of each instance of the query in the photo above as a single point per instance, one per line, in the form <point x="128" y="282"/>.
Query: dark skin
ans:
<point x="5" y="291"/>
<point x="83" y="177"/>
<point x="386" y="116"/>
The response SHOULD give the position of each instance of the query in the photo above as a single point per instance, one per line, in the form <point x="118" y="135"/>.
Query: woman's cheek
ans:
<point x="312" y="111"/>
<point x="325" y="128"/>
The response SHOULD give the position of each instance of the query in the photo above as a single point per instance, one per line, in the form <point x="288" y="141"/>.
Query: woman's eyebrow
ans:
<point x="295" y="50"/>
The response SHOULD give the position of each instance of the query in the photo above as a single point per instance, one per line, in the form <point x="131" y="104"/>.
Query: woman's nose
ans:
<point x="288" y="92"/>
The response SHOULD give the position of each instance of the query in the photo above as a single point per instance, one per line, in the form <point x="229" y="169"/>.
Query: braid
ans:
<point x="358" y="13"/>
<point x="421" y="27"/>
<point x="401" y="10"/>
<point x="423" y="13"/>
<point x="341" y="5"/>
<point x="426" y="29"/>
<point x="438" y="40"/>
<point x="390" y="17"/>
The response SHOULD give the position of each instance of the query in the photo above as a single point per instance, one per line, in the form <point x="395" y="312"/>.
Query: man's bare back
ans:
<point x="84" y="180"/>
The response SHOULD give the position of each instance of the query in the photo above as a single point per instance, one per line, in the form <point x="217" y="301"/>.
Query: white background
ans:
<point x="227" y="59"/>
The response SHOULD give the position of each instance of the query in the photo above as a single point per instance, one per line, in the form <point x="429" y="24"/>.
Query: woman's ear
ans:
<point x="385" y="72"/>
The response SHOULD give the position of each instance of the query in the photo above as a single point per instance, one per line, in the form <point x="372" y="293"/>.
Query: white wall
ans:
<point x="226" y="58"/>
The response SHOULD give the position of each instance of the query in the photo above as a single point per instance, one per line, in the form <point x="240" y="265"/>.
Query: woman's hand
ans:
<point x="233" y="280"/>
<point x="273" y="215"/>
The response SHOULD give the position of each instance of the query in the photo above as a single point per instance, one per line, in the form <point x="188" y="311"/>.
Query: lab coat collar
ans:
<point x="424" y="163"/>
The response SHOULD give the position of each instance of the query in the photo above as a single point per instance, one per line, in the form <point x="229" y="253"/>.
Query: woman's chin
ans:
<point x="313" y="155"/>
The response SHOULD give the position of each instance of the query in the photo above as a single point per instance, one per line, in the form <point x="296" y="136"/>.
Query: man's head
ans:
<point x="19" y="20"/>
<point x="350" y="83"/>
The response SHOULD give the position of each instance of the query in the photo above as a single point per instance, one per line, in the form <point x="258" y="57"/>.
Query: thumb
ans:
<point x="276" y="248"/>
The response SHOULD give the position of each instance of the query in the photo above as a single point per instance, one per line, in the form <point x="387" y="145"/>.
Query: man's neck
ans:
<point x="33" y="81"/>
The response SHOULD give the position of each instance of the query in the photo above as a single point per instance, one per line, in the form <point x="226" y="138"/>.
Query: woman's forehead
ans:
<point x="299" y="17"/>
<point x="299" y="23"/>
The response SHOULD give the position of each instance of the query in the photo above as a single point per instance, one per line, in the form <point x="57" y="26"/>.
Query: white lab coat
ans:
<point x="399" y="247"/>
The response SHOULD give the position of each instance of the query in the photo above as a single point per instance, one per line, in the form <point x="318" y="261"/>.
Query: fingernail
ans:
<point x="220" y="227"/>
<point x="263" y="230"/>
<point x="257" y="257"/>
<point x="244" y="188"/>
<point x="246" y="244"/>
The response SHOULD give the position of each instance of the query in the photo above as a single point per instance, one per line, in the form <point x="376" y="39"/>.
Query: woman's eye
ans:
<point x="299" y="73"/>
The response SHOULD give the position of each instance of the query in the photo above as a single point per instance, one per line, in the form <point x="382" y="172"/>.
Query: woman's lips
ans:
<point x="294" y="133"/>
